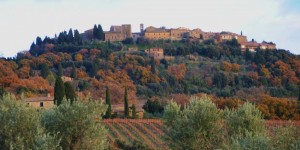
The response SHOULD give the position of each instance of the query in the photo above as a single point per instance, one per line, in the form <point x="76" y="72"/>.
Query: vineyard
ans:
<point x="151" y="131"/>
<point x="148" y="131"/>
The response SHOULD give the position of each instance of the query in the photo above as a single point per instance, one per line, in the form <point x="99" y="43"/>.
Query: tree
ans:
<point x="32" y="46"/>
<point x="203" y="120"/>
<point x="153" y="70"/>
<point x="126" y="105"/>
<point x="20" y="127"/>
<point x="39" y="41"/>
<point x="59" y="91"/>
<point x="77" y="38"/>
<point x="59" y="70"/>
<point x="70" y="37"/>
<point x="133" y="112"/>
<point x="100" y="33"/>
<point x="299" y="101"/>
<point x="95" y="31"/>
<point x="45" y="70"/>
<point x="73" y="72"/>
<point x="107" y="101"/>
<point x="78" y="125"/>
<point x="70" y="92"/>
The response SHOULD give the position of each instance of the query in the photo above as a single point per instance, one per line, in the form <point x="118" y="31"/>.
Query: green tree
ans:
<point x="126" y="105"/>
<point x="77" y="38"/>
<point x="246" y="128"/>
<point x="100" y="33"/>
<point x="70" y="92"/>
<point x="2" y="92"/>
<point x="59" y="70"/>
<point x="73" y="72"/>
<point x="78" y="125"/>
<point x="70" y="37"/>
<point x="153" y="67"/>
<point x="39" y="41"/>
<point x="203" y="119"/>
<point x="59" y="91"/>
<point x="44" y="70"/>
<point x="20" y="127"/>
<point x="107" y="101"/>
<point x="95" y="31"/>
<point x="299" y="101"/>
<point x="133" y="111"/>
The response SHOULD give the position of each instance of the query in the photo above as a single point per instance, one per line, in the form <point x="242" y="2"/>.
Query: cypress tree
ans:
<point x="126" y="107"/>
<point x="45" y="70"/>
<point x="100" y="33"/>
<point x="59" y="91"/>
<point x="299" y="101"/>
<point x="133" y="111"/>
<point x="38" y="41"/>
<point x="77" y="38"/>
<point x="95" y="31"/>
<point x="70" y="37"/>
<point x="70" y="92"/>
<point x="153" y="70"/>
<point x="107" y="101"/>
<point x="60" y="70"/>
<point x="73" y="72"/>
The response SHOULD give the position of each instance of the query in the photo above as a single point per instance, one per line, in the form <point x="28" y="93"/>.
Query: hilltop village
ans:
<point x="121" y="32"/>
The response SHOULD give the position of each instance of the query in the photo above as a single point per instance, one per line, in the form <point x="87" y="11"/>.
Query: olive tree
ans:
<point x="196" y="126"/>
<point x="78" y="125"/>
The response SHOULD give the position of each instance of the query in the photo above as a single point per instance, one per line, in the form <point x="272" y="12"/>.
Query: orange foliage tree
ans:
<point x="177" y="71"/>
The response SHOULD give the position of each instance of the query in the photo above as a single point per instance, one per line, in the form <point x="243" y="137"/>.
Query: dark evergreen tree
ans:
<point x="153" y="67"/>
<point x="39" y="41"/>
<point x="73" y="72"/>
<point x="126" y="105"/>
<point x="100" y="33"/>
<point x="298" y="100"/>
<point x="77" y="38"/>
<point x="32" y="46"/>
<point x="59" y="70"/>
<point x="44" y="70"/>
<point x="95" y="31"/>
<point x="70" y="92"/>
<point x="2" y="92"/>
<point x="59" y="91"/>
<point x="70" y="37"/>
<point x="107" y="101"/>
<point x="248" y="55"/>
<point x="133" y="110"/>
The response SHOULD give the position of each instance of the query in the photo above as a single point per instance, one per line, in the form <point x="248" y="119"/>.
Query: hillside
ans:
<point x="267" y="77"/>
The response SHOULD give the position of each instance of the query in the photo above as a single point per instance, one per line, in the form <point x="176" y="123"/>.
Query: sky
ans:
<point x="21" y="21"/>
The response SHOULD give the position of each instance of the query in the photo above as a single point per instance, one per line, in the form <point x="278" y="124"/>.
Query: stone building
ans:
<point x="252" y="46"/>
<point x="41" y="102"/>
<point x="179" y="33"/>
<point x="118" y="33"/>
<point x="153" y="33"/>
<point x="226" y="36"/>
<point x="156" y="53"/>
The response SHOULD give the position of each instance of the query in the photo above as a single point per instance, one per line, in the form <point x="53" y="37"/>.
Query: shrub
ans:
<point x="197" y="126"/>
<point x="20" y="127"/>
<point x="77" y="124"/>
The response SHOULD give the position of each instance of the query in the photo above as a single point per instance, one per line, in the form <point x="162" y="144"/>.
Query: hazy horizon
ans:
<point x="269" y="20"/>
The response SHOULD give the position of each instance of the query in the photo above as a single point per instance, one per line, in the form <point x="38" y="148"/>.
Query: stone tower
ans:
<point x="142" y="28"/>
<point x="126" y="29"/>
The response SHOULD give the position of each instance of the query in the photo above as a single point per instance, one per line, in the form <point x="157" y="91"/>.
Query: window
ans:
<point x="41" y="104"/>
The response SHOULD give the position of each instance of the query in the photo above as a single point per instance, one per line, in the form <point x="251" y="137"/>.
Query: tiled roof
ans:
<point x="39" y="99"/>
